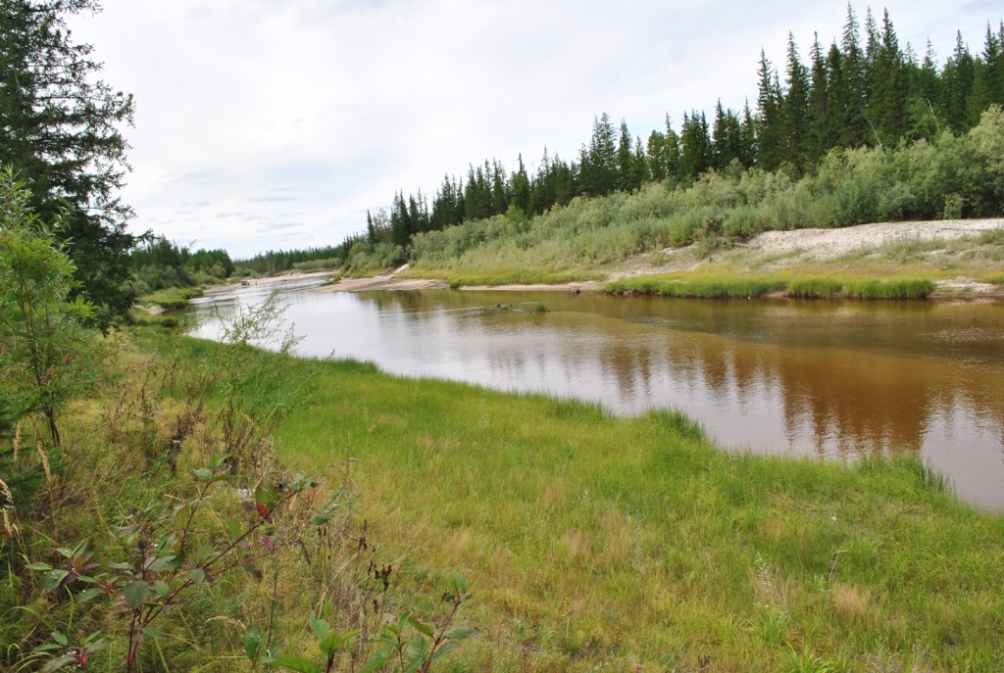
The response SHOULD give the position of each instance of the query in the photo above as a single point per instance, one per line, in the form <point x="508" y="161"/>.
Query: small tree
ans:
<point x="44" y="350"/>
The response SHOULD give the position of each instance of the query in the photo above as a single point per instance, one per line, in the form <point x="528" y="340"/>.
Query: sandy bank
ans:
<point x="388" y="281"/>
<point x="770" y="252"/>
<point x="831" y="243"/>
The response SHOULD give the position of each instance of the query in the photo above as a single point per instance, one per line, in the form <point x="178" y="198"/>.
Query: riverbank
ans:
<point x="963" y="259"/>
<point x="636" y="544"/>
<point x="588" y="541"/>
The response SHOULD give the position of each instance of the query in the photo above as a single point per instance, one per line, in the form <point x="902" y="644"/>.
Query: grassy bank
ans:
<point x="171" y="298"/>
<point x="595" y="541"/>
<point x="705" y="286"/>
<point x="590" y="542"/>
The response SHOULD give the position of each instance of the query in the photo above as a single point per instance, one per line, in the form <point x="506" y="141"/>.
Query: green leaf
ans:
<point x="459" y="633"/>
<point x="416" y="650"/>
<point x="332" y="645"/>
<point x="203" y="473"/>
<point x="376" y="662"/>
<point x="161" y="588"/>
<point x="60" y="638"/>
<point x="320" y="519"/>
<point x="266" y="495"/>
<point x="443" y="649"/>
<point x="162" y="563"/>
<point x="90" y="594"/>
<point x="296" y="664"/>
<point x="39" y="566"/>
<point x="135" y="593"/>
<point x="318" y="626"/>
<point x="197" y="575"/>
<point x="59" y="662"/>
<point x="458" y="583"/>
<point x="252" y="570"/>
<point x="422" y="628"/>
<point x="52" y="579"/>
<point x="154" y="633"/>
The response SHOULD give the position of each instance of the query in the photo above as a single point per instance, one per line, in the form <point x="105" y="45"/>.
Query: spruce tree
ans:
<point x="599" y="160"/>
<point x="853" y="125"/>
<point x="770" y="120"/>
<point x="821" y="137"/>
<point x="696" y="154"/>
<point x="61" y="136"/>
<point x="747" y="137"/>
<point x="626" y="173"/>
<point x="957" y="79"/>
<point x="888" y="90"/>
<point x="796" y="113"/>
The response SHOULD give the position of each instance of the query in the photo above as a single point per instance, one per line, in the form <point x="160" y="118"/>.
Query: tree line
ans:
<point x="864" y="90"/>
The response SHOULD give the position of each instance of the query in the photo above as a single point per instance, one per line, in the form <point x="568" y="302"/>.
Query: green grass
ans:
<point x="171" y="298"/>
<point x="815" y="288"/>
<point x="144" y="318"/>
<point x="630" y="542"/>
<point x="590" y="541"/>
<point x="702" y="286"/>
<point x="698" y="287"/>
<point x="890" y="289"/>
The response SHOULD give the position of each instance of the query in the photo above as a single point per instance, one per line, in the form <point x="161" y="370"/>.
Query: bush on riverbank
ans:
<point x="950" y="177"/>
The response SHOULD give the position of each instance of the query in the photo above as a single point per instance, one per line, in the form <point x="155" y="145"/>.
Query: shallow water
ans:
<point x="827" y="378"/>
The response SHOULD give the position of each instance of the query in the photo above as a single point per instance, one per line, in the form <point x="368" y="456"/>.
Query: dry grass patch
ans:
<point x="850" y="603"/>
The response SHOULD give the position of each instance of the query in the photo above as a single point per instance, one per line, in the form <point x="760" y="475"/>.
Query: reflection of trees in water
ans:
<point x="849" y="377"/>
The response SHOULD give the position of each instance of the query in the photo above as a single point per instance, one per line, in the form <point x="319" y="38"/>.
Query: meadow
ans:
<point x="589" y="542"/>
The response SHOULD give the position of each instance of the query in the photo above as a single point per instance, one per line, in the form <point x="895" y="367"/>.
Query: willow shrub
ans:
<point x="952" y="177"/>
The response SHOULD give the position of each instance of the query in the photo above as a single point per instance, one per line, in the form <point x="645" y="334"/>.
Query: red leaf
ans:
<point x="261" y="510"/>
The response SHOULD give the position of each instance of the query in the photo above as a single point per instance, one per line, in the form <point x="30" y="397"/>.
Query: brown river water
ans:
<point x="834" y="379"/>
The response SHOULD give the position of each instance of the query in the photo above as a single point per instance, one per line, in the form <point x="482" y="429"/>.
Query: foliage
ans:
<point x="865" y="93"/>
<point x="277" y="261"/>
<point x="924" y="180"/>
<point x="159" y="264"/>
<point x="61" y="133"/>
<point x="46" y="354"/>
<point x="194" y="537"/>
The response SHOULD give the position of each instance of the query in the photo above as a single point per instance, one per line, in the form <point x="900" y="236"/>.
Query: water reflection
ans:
<point x="834" y="379"/>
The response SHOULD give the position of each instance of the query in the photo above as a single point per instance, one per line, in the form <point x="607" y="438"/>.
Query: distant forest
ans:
<point x="866" y="91"/>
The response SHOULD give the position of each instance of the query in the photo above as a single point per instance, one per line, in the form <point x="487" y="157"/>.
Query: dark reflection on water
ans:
<point x="834" y="379"/>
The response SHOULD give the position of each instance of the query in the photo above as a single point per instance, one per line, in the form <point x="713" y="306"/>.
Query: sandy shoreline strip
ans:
<point x="801" y="244"/>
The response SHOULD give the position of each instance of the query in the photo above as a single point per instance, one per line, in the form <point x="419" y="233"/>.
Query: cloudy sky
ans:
<point x="276" y="124"/>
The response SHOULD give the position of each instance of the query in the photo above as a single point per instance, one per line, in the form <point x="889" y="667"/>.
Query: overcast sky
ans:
<point x="276" y="124"/>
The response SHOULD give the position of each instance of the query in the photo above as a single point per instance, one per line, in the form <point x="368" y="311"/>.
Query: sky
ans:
<point x="276" y="124"/>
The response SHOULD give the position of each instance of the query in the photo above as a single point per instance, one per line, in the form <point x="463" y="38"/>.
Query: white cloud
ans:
<point x="255" y="114"/>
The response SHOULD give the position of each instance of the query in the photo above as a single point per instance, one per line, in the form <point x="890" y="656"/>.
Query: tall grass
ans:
<point x="590" y="541"/>
<point x="697" y="287"/>
<point x="815" y="288"/>
<point x="890" y="289"/>
<point x="635" y="543"/>
<point x="732" y="287"/>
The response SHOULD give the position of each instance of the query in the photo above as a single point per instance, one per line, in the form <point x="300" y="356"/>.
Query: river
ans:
<point x="835" y="379"/>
